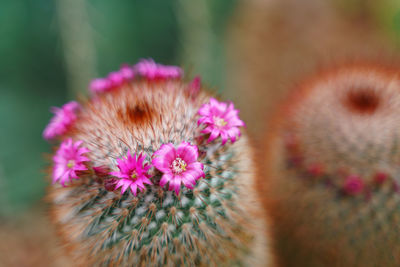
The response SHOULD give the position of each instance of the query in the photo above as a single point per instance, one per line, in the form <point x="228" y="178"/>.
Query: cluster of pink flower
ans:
<point x="153" y="71"/>
<point x="63" y="118"/>
<point x="113" y="80"/>
<point x="178" y="165"/>
<point x="351" y="184"/>
<point x="146" y="68"/>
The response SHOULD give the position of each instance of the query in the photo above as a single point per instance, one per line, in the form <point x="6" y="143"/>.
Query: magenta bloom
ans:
<point x="195" y="86"/>
<point x="132" y="173"/>
<point x="353" y="185"/>
<point x="178" y="165"/>
<point x="68" y="160"/>
<point x="127" y="72"/>
<point x="221" y="119"/>
<point x="152" y="71"/>
<point x="113" y="80"/>
<point x="100" y="85"/>
<point x="381" y="177"/>
<point x="64" y="117"/>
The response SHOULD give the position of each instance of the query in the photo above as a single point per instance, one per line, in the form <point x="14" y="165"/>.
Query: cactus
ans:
<point x="210" y="220"/>
<point x="332" y="167"/>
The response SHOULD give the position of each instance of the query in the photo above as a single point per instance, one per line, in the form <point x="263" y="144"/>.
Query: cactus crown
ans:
<point x="205" y="221"/>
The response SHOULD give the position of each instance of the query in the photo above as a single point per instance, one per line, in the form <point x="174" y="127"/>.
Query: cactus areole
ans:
<point x="151" y="171"/>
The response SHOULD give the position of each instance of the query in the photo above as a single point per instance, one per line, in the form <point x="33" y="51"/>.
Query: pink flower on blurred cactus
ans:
<point x="64" y="117"/>
<point x="132" y="173"/>
<point x="68" y="160"/>
<point x="110" y="184"/>
<point x="194" y="86"/>
<point x="127" y="72"/>
<point x="152" y="71"/>
<point x="113" y="80"/>
<point x="353" y="185"/>
<point x="178" y="165"/>
<point x="99" y="85"/>
<point x="221" y="119"/>
<point x="381" y="177"/>
<point x="101" y="171"/>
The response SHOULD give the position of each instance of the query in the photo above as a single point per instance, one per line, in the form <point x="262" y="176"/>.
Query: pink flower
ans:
<point x="99" y="85"/>
<point x="64" y="117"/>
<point x="194" y="86"/>
<point x="316" y="169"/>
<point x="68" y="160"/>
<point x="132" y="173"/>
<point x="178" y="165"/>
<point x="221" y="119"/>
<point x="381" y="177"/>
<point x="101" y="171"/>
<point x="113" y="80"/>
<point x="127" y="72"/>
<point x="152" y="71"/>
<point x="109" y="184"/>
<point x="353" y="185"/>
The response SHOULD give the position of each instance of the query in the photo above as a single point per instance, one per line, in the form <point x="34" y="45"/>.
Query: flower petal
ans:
<point x="187" y="152"/>
<point x="164" y="156"/>
<point x="166" y="178"/>
<point x="133" y="172"/>
<point x="175" y="184"/>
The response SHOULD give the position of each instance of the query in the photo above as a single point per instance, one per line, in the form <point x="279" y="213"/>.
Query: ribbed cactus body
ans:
<point x="212" y="225"/>
<point x="332" y="169"/>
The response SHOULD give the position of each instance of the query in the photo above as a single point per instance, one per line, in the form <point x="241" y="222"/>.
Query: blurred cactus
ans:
<point x="333" y="169"/>
<point x="275" y="47"/>
<point x="211" y="223"/>
<point x="30" y="241"/>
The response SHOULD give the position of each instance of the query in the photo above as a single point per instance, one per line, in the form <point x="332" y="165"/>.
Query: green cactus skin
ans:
<point x="342" y="123"/>
<point x="216" y="224"/>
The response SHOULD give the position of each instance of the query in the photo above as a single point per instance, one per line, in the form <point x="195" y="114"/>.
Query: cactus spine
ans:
<point x="215" y="223"/>
<point x="332" y="164"/>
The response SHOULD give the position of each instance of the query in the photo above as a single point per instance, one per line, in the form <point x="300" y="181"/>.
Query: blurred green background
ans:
<point x="49" y="51"/>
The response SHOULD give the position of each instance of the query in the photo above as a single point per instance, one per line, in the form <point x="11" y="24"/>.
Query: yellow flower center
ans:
<point x="219" y="121"/>
<point x="71" y="164"/>
<point x="134" y="175"/>
<point x="178" y="165"/>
